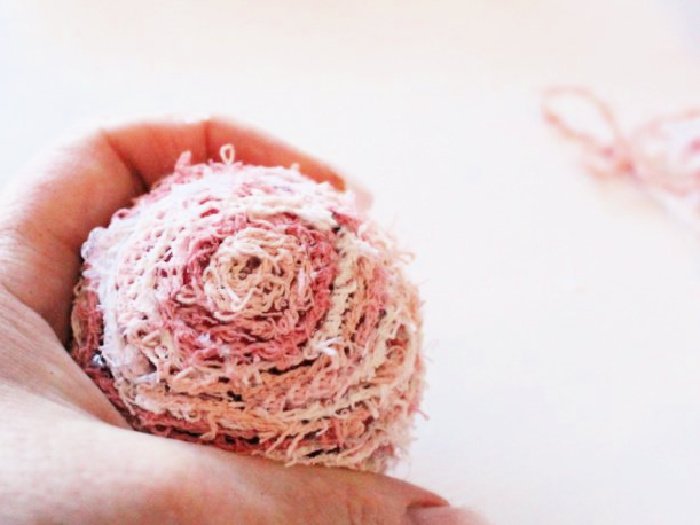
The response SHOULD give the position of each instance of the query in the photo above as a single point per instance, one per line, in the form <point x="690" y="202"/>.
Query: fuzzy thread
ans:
<point x="255" y="310"/>
<point x="661" y="156"/>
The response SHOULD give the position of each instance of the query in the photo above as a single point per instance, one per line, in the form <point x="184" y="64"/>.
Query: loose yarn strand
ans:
<point x="661" y="156"/>
<point x="603" y="157"/>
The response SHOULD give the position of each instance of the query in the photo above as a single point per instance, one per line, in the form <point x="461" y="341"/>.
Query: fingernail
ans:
<point x="363" y="198"/>
<point x="442" y="516"/>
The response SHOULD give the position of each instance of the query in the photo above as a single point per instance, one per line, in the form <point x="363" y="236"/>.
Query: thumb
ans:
<point x="223" y="488"/>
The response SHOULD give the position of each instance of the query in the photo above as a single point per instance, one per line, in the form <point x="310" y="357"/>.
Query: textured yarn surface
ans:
<point x="255" y="310"/>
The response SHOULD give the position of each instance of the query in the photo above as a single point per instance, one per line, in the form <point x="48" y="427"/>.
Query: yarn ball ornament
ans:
<point x="253" y="309"/>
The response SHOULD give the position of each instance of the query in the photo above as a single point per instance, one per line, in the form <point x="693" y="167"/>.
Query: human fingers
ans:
<point x="49" y="211"/>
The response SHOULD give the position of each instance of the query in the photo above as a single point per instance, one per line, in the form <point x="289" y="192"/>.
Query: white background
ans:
<point x="562" y="315"/>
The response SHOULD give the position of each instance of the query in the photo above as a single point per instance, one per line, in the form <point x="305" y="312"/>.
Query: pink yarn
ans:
<point x="255" y="310"/>
<point x="662" y="156"/>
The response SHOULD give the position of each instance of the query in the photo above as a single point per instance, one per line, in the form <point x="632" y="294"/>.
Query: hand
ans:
<point x="67" y="456"/>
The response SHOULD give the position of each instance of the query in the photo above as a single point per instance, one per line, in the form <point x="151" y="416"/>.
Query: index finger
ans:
<point x="49" y="211"/>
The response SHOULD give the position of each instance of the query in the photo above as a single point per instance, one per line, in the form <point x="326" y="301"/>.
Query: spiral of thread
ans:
<point x="255" y="310"/>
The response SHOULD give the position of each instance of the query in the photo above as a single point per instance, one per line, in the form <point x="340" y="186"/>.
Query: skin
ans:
<point x="67" y="456"/>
